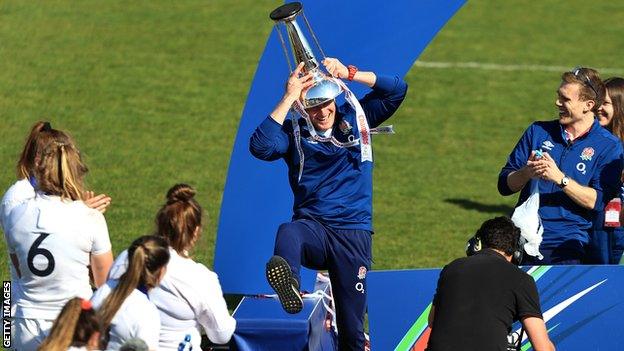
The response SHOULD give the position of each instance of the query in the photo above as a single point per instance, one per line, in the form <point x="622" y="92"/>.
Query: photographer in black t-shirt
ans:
<point x="479" y="297"/>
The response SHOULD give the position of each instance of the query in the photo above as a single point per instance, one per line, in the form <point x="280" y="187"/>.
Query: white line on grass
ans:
<point x="501" y="67"/>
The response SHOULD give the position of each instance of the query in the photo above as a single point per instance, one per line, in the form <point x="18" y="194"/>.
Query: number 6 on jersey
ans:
<point x="36" y="250"/>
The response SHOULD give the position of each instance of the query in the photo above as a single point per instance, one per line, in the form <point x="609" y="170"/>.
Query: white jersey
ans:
<point x="53" y="241"/>
<point x="136" y="318"/>
<point x="189" y="296"/>
<point x="18" y="193"/>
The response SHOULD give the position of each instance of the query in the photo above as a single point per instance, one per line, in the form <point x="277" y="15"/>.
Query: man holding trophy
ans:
<point x="327" y="148"/>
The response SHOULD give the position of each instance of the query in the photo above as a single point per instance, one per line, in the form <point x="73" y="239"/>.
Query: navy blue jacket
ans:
<point x="336" y="186"/>
<point x="594" y="160"/>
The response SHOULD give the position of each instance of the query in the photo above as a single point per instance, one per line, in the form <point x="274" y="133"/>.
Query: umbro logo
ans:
<point x="548" y="145"/>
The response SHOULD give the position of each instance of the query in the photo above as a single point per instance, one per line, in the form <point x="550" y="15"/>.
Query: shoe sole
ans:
<point x="280" y="278"/>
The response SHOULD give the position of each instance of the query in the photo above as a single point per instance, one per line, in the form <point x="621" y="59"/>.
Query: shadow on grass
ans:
<point x="480" y="207"/>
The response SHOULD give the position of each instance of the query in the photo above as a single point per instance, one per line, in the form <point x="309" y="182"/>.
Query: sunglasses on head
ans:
<point x="584" y="78"/>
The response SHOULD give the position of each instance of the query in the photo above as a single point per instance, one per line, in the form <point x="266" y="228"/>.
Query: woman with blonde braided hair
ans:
<point x="54" y="239"/>
<point x="24" y="188"/>
<point x="189" y="297"/>
<point x="76" y="328"/>
<point x="123" y="305"/>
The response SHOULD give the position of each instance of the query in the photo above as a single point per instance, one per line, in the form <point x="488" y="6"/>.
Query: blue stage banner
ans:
<point x="581" y="305"/>
<point x="384" y="36"/>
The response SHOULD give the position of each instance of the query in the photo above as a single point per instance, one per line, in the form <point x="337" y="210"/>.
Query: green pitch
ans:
<point x="153" y="91"/>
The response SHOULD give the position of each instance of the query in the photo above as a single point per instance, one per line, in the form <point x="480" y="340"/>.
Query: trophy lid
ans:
<point x="286" y="11"/>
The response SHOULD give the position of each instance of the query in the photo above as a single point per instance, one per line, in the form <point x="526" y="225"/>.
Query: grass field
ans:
<point x="153" y="91"/>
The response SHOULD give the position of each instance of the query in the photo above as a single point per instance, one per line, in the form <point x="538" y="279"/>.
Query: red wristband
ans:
<point x="352" y="71"/>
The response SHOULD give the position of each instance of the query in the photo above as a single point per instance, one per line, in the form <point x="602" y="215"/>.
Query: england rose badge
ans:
<point x="587" y="154"/>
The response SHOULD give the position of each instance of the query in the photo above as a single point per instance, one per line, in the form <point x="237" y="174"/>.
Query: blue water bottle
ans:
<point x="187" y="342"/>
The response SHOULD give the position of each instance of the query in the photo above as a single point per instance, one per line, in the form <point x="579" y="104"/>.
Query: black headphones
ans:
<point x="474" y="245"/>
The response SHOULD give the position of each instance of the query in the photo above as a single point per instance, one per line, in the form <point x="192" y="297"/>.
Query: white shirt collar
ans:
<point x="325" y="134"/>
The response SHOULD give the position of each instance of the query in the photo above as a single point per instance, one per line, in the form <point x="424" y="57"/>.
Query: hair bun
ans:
<point x="180" y="192"/>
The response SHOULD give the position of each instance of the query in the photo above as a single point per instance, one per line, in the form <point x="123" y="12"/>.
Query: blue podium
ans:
<point x="262" y="324"/>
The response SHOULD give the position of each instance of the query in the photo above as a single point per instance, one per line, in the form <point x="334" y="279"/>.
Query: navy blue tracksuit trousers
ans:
<point x="346" y="254"/>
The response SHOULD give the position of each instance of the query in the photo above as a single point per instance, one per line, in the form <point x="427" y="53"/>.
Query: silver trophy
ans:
<point x="324" y="89"/>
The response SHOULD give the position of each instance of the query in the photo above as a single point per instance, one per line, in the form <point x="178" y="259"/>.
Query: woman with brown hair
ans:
<point x="611" y="113"/>
<point x="53" y="238"/>
<point x="189" y="296"/>
<point x="123" y="305"/>
<point x="606" y="243"/>
<point x="76" y="328"/>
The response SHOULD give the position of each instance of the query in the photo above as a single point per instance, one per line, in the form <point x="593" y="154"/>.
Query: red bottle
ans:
<point x="612" y="213"/>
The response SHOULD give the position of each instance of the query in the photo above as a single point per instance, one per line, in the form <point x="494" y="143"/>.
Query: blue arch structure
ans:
<point x="383" y="36"/>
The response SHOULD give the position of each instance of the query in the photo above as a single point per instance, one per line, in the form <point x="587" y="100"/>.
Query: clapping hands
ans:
<point x="544" y="167"/>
